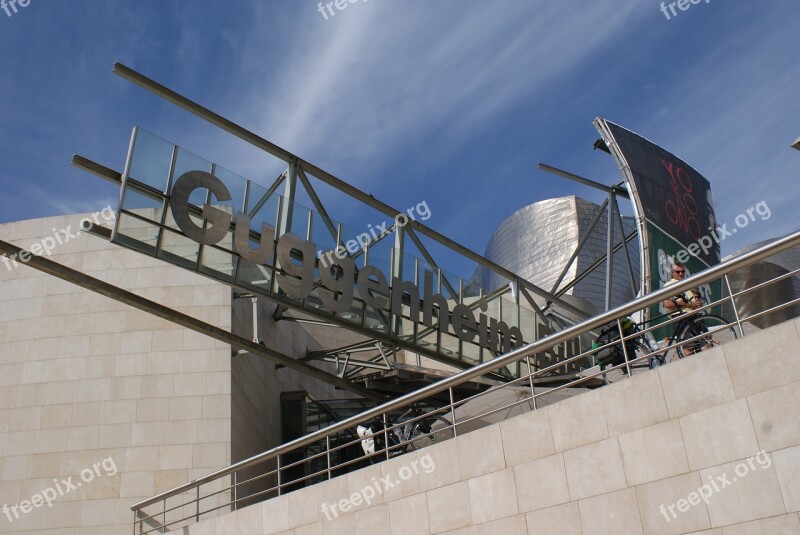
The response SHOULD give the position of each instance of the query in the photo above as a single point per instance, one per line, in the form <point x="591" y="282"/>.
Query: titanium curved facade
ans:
<point x="537" y="241"/>
<point x="772" y="296"/>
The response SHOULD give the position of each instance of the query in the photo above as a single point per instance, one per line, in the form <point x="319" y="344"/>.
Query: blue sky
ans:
<point x="450" y="101"/>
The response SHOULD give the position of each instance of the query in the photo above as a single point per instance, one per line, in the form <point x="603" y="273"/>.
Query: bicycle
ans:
<point x="412" y="430"/>
<point x="696" y="332"/>
<point x="699" y="331"/>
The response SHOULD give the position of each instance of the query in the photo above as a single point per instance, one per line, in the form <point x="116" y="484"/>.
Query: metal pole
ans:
<point x="609" y="249"/>
<point x="733" y="304"/>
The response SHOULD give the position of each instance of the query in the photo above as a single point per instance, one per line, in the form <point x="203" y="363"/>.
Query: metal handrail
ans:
<point x="550" y="341"/>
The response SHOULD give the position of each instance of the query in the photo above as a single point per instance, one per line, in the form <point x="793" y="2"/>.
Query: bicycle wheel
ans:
<point x="429" y="431"/>
<point x="703" y="332"/>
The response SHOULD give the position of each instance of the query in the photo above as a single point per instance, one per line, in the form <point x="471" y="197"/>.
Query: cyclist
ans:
<point x="689" y="300"/>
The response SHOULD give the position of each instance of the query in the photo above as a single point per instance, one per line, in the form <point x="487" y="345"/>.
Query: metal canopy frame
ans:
<point x="610" y="207"/>
<point x="299" y="172"/>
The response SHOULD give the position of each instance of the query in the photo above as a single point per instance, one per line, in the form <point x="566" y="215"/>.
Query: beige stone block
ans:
<point x="164" y="362"/>
<point x="447" y="508"/>
<point x="403" y="473"/>
<point x="718" y="435"/>
<point x="787" y="468"/>
<point x="527" y="437"/>
<point x="562" y="519"/>
<point x="106" y="486"/>
<point x="169" y="479"/>
<point x="51" y="440"/>
<point x="94" y="390"/>
<point x="652" y="453"/>
<point x="304" y="507"/>
<point x="72" y="462"/>
<point x="98" y="513"/>
<point x="175" y="457"/>
<point x="444" y="456"/>
<point x="694" y="384"/>
<point x="125" y="388"/>
<point x="226" y="525"/>
<point x="109" y="322"/>
<point x="612" y="513"/>
<point x="132" y="364"/>
<point x="181" y="432"/>
<point x="116" y="435"/>
<point x="14" y="468"/>
<point x="99" y="367"/>
<point x="8" y="396"/>
<point x="480" y="452"/>
<point x="185" y="408"/>
<point x="53" y="416"/>
<point x="34" y="395"/>
<point x="578" y="421"/>
<point x="216" y="406"/>
<point x="634" y="404"/>
<point x="775" y="414"/>
<point x="594" y="469"/>
<point x="493" y="496"/>
<point x="214" y="430"/>
<point x="83" y="438"/>
<point x="44" y="465"/>
<point x="190" y="384"/>
<point x="359" y="480"/>
<point x="210" y="456"/>
<point x="158" y="386"/>
<point x="11" y="374"/>
<point x="151" y="409"/>
<point x="68" y="369"/>
<point x="64" y="515"/>
<point x="541" y="483"/>
<point x="167" y="340"/>
<point x="758" y="362"/>
<point x="89" y="413"/>
<point x="25" y="419"/>
<point x="743" y="495"/>
<point x="658" y="505"/>
<point x="36" y="372"/>
<point x="106" y="344"/>
<point x="367" y="521"/>
<point x="309" y="529"/>
<point x="777" y="525"/>
<point x="120" y="411"/>
<point x="218" y="383"/>
<point x="142" y="458"/>
<point x="149" y="434"/>
<point x="274" y="515"/>
<point x="136" y="342"/>
<point x="409" y="516"/>
<point x="196" y="361"/>
<point x="136" y="484"/>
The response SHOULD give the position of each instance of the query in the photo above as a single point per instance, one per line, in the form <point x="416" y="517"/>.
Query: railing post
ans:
<point x="624" y="347"/>
<point x="530" y="380"/>
<point x="386" y="435"/>
<point x="733" y="304"/>
<point x="279" y="475"/>
<point x="328" y="453"/>
<point x="453" y="411"/>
